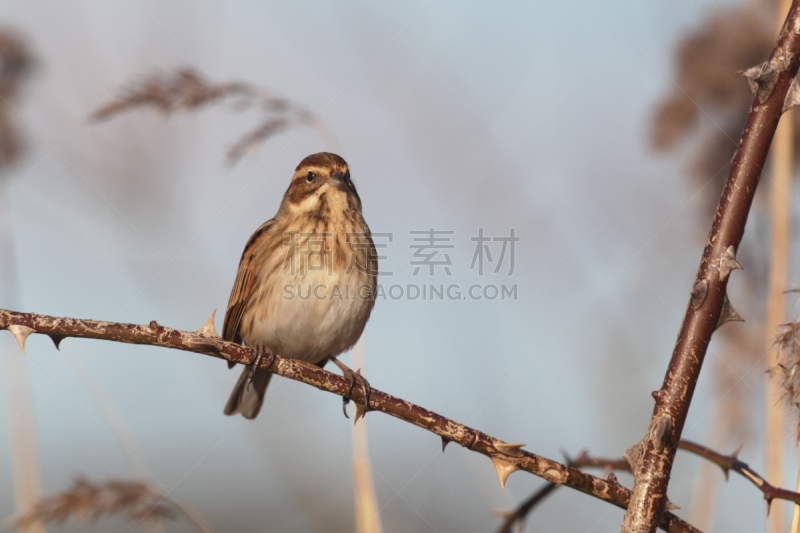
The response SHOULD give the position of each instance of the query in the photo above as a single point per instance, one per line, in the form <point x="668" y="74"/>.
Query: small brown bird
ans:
<point x="306" y="281"/>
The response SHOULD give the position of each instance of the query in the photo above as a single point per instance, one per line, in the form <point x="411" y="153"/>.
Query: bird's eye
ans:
<point x="311" y="176"/>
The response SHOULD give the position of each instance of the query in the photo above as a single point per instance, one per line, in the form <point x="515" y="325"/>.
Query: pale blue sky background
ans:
<point x="452" y="115"/>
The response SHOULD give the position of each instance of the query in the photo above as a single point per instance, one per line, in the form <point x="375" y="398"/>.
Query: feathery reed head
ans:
<point x="787" y="368"/>
<point x="16" y="62"/>
<point x="86" y="502"/>
<point x="186" y="90"/>
<point x="707" y="84"/>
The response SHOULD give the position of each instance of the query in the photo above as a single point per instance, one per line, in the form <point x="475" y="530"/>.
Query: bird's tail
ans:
<point x="247" y="398"/>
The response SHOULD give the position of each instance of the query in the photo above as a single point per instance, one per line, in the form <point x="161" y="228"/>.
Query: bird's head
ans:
<point x="321" y="184"/>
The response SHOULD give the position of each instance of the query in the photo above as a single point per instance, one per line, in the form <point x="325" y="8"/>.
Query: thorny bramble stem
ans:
<point x="507" y="457"/>
<point x="584" y="460"/>
<point x="708" y="305"/>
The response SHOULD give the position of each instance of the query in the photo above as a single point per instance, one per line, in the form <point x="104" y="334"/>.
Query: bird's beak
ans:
<point x="338" y="179"/>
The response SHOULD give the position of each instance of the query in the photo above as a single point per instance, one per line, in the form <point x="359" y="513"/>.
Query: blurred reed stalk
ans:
<point x="368" y="518"/>
<point x="16" y="62"/>
<point x="121" y="431"/>
<point x="780" y="210"/>
<point x="706" y="488"/>
<point x="22" y="431"/>
<point x="21" y="423"/>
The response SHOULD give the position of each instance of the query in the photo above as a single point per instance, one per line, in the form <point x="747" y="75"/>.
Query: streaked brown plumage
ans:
<point x="306" y="281"/>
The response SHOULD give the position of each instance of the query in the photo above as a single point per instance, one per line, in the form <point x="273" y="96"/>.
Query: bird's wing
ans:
<point x="243" y="286"/>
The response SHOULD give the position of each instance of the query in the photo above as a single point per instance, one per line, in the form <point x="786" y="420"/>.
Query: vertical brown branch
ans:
<point x="708" y="305"/>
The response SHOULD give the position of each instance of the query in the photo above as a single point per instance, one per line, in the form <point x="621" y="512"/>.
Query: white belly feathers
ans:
<point x="315" y="314"/>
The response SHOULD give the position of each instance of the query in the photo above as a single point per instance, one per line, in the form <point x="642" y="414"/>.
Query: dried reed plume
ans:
<point x="787" y="369"/>
<point x="707" y="83"/>
<point x="86" y="502"/>
<point x="16" y="61"/>
<point x="186" y="90"/>
<point x="707" y="64"/>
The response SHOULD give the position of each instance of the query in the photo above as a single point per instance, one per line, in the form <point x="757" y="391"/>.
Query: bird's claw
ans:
<point x="361" y="408"/>
<point x="252" y="367"/>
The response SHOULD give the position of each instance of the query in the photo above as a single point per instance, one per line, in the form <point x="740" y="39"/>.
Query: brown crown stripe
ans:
<point x="323" y="159"/>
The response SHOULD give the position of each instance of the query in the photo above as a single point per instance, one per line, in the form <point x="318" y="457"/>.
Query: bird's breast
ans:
<point x="315" y="301"/>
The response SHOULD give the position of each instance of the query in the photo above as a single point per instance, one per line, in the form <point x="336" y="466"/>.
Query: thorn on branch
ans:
<point x="792" y="97"/>
<point x="632" y="455"/>
<point x="735" y="454"/>
<point x="445" y="442"/>
<point x="762" y="78"/>
<point x="503" y="466"/>
<point x="208" y="329"/>
<point x="361" y="411"/>
<point x="663" y="432"/>
<point x="21" y="333"/>
<point x="207" y="339"/>
<point x="699" y="293"/>
<point x="504" y="469"/>
<point x="584" y="460"/>
<point x="728" y="262"/>
<point x="728" y="313"/>
<point x="57" y="340"/>
<point x="671" y="506"/>
<point x="658" y="396"/>
<point x="509" y="449"/>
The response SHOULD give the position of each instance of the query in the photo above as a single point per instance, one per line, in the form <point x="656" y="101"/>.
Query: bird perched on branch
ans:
<point x="306" y="281"/>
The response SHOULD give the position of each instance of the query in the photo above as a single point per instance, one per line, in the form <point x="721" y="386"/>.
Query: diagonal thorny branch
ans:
<point x="708" y="305"/>
<point x="584" y="460"/>
<point x="507" y="458"/>
<point x="732" y="462"/>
